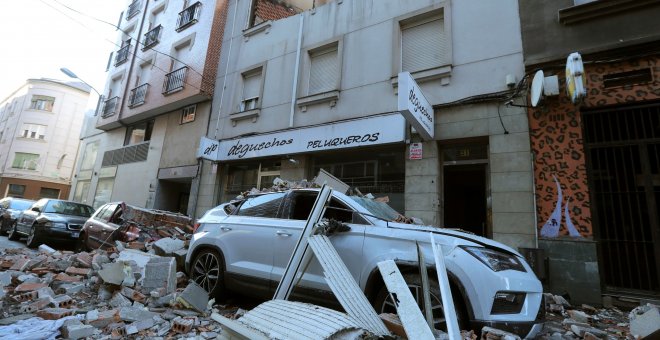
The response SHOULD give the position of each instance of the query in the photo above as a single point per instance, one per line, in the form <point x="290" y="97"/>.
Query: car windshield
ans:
<point x="68" y="208"/>
<point x="20" y="205"/>
<point x="376" y="208"/>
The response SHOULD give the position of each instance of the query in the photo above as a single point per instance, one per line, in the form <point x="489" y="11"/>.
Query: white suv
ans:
<point x="245" y="246"/>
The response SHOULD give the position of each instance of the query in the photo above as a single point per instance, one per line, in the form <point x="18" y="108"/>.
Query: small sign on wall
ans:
<point x="415" y="151"/>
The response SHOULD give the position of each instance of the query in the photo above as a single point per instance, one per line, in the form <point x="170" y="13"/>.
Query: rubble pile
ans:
<point x="564" y="321"/>
<point x="102" y="295"/>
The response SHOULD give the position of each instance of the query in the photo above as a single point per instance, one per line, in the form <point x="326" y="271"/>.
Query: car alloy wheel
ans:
<point x="206" y="272"/>
<point x="32" y="238"/>
<point x="13" y="233"/>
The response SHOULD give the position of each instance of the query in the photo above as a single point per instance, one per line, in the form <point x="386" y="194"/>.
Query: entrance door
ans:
<point x="623" y="165"/>
<point x="465" y="198"/>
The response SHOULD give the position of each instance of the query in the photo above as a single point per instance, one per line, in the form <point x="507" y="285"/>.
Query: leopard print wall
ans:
<point x="557" y="142"/>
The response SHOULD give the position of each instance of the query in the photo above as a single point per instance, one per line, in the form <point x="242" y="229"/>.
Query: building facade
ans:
<point x="596" y="159"/>
<point x="40" y="126"/>
<point x="302" y="88"/>
<point x="156" y="103"/>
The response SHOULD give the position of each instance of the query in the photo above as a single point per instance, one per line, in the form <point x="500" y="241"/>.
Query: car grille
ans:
<point x="508" y="303"/>
<point x="74" y="226"/>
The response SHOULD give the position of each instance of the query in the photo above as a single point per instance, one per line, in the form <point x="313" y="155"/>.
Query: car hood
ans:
<point x="479" y="240"/>
<point x="72" y="219"/>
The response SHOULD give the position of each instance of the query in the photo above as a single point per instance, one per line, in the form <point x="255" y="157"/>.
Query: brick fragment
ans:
<point x="84" y="260"/>
<point x="35" y="306"/>
<point x="104" y="318"/>
<point x="40" y="270"/>
<point x="79" y="271"/>
<point x="25" y="296"/>
<point x="66" y="278"/>
<point x="63" y="301"/>
<point x="77" y="330"/>
<point x="182" y="325"/>
<point x="20" y="264"/>
<point x="54" y="313"/>
<point x="133" y="294"/>
<point x="28" y="287"/>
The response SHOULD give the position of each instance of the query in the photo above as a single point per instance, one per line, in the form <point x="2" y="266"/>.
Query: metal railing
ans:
<point x="188" y="16"/>
<point x="137" y="95"/>
<point x="175" y="80"/>
<point x="133" y="9"/>
<point x="122" y="54"/>
<point x="110" y="107"/>
<point x="152" y="37"/>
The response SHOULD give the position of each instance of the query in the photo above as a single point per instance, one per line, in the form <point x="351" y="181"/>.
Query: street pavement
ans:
<point x="5" y="243"/>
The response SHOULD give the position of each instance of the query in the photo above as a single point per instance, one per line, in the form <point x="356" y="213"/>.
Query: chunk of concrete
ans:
<point x="74" y="329"/>
<point x="194" y="297"/>
<point x="160" y="272"/>
<point x="132" y="314"/>
<point x="644" y="320"/>
<point x="119" y="300"/>
<point x="578" y="315"/>
<point x="167" y="246"/>
<point x="139" y="325"/>
<point x="117" y="273"/>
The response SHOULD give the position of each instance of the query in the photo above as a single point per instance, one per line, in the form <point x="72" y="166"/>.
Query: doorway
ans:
<point x="173" y="195"/>
<point x="465" y="198"/>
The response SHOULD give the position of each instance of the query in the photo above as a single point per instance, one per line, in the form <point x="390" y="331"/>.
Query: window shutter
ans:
<point x="424" y="46"/>
<point x="251" y="84"/>
<point x="324" y="70"/>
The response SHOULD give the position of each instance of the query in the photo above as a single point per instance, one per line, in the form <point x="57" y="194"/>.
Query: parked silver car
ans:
<point x="10" y="209"/>
<point x="245" y="247"/>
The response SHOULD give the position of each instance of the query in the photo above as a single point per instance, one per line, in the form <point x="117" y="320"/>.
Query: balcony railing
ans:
<point x="188" y="16"/>
<point x="152" y="37"/>
<point x="110" y="107"/>
<point x="175" y="80"/>
<point x="122" y="54"/>
<point x="137" y="95"/>
<point x="133" y="9"/>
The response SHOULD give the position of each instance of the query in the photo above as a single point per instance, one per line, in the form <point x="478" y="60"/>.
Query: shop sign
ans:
<point x="414" y="106"/>
<point x="348" y="134"/>
<point x="415" y="151"/>
<point x="208" y="149"/>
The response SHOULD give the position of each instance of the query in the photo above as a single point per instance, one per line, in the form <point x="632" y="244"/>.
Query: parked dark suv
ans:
<point x="51" y="219"/>
<point x="10" y="209"/>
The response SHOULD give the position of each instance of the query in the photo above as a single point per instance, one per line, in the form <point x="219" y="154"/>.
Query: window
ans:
<point x="188" y="114"/>
<point x="261" y="206"/>
<point x="82" y="190"/>
<point x="139" y="133"/>
<point x="188" y="16"/>
<point x="49" y="193"/>
<point x="34" y="131"/>
<point x="324" y="70"/>
<point x="16" y="190"/>
<point x="25" y="161"/>
<point x="251" y="90"/>
<point x="43" y="103"/>
<point x="89" y="156"/>
<point x="424" y="44"/>
<point x="103" y="191"/>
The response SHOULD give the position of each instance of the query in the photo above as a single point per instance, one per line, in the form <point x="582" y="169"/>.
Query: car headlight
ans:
<point x="55" y="225"/>
<point x="495" y="260"/>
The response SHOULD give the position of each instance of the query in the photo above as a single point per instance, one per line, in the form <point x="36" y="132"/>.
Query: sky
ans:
<point x="38" y="37"/>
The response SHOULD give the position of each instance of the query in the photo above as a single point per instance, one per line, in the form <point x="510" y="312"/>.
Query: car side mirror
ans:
<point x="36" y="209"/>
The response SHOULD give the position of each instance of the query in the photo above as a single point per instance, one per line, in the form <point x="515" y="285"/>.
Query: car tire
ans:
<point x="206" y="270"/>
<point x="13" y="232"/>
<point x="383" y="303"/>
<point x="33" y="238"/>
<point x="81" y="244"/>
<point x="3" y="228"/>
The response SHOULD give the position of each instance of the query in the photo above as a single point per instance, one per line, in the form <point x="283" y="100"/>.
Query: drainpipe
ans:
<point x="296" y="71"/>
<point x="130" y="69"/>
<point x="536" y="229"/>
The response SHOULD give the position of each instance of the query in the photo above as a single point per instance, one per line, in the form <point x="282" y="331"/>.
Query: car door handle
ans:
<point x="283" y="233"/>
<point x="225" y="228"/>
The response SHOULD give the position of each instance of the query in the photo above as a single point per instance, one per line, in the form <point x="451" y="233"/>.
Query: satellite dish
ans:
<point x="537" y="87"/>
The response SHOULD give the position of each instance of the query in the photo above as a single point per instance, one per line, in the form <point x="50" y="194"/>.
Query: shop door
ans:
<point x="623" y="165"/>
<point x="465" y="198"/>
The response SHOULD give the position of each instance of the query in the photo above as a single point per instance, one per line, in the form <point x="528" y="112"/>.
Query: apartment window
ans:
<point x="324" y="70"/>
<point x="33" y="131"/>
<point x="103" y="191"/>
<point x="89" y="156"/>
<point x="139" y="133"/>
<point x="424" y="44"/>
<point x="24" y="160"/>
<point x="133" y="9"/>
<point x="16" y="190"/>
<point x="251" y="90"/>
<point x="81" y="192"/>
<point x="49" y="193"/>
<point x="188" y="16"/>
<point x="43" y="103"/>
<point x="188" y="114"/>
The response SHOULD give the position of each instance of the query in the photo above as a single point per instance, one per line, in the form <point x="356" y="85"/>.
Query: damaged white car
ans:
<point x="245" y="247"/>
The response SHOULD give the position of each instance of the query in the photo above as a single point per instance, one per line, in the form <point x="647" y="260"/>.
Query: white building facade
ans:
<point x="301" y="89"/>
<point x="40" y="126"/>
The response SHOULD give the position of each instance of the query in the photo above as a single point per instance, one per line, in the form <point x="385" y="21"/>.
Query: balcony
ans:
<point x="122" y="54"/>
<point x="137" y="95"/>
<point x="152" y="37"/>
<point x="109" y="107"/>
<point x="188" y="16"/>
<point x="133" y="9"/>
<point x="175" y="80"/>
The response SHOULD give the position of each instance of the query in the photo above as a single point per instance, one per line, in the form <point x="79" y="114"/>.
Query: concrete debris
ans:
<point x="160" y="272"/>
<point x="194" y="297"/>
<point x="167" y="246"/>
<point x="489" y="333"/>
<point x="645" y="320"/>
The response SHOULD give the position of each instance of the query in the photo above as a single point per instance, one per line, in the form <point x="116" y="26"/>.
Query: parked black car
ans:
<point x="51" y="219"/>
<point x="10" y="209"/>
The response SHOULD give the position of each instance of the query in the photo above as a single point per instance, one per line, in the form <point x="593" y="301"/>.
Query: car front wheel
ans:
<point x="206" y="271"/>
<point x="384" y="303"/>
<point x="13" y="233"/>
<point x="33" y="238"/>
